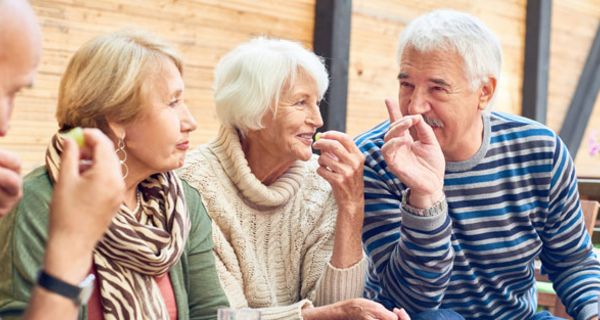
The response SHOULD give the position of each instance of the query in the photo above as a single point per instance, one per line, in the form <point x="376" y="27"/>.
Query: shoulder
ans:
<point x="26" y="227"/>
<point x="34" y="207"/>
<point x="199" y="168"/>
<point x="518" y="134"/>
<point x="195" y="207"/>
<point x="372" y="140"/>
<point x="504" y="124"/>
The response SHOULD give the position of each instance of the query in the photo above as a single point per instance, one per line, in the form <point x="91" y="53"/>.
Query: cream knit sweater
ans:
<point x="272" y="243"/>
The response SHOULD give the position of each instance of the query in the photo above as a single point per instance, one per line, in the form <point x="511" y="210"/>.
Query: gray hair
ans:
<point x="249" y="80"/>
<point x="453" y="30"/>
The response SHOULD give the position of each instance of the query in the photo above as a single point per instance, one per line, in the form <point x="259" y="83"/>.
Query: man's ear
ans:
<point x="487" y="92"/>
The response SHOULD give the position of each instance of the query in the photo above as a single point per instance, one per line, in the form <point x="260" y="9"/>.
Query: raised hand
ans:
<point x="10" y="181"/>
<point x="341" y="164"/>
<point x="84" y="201"/>
<point x="412" y="152"/>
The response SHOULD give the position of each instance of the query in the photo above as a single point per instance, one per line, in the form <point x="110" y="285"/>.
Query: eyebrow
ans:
<point x="440" y="82"/>
<point x="402" y="75"/>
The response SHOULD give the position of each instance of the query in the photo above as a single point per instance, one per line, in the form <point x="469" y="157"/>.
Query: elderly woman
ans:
<point x="286" y="223"/>
<point x="155" y="260"/>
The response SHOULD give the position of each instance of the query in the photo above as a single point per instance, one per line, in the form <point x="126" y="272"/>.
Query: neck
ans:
<point x="132" y="181"/>
<point x="266" y="164"/>
<point x="465" y="149"/>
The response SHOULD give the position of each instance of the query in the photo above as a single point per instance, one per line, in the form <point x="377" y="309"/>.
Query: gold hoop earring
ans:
<point x="122" y="155"/>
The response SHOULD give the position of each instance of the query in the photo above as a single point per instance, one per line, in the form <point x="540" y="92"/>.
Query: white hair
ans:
<point x="453" y="30"/>
<point x="249" y="80"/>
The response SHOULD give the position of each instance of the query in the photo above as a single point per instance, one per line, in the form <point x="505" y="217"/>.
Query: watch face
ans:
<point x="87" y="288"/>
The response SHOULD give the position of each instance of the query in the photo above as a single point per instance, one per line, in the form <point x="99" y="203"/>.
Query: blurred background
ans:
<point x="561" y="36"/>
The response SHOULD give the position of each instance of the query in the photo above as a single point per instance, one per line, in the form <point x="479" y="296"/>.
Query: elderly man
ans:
<point x="460" y="201"/>
<point x="83" y="203"/>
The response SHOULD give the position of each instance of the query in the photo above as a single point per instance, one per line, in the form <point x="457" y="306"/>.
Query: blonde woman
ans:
<point x="155" y="260"/>
<point x="286" y="223"/>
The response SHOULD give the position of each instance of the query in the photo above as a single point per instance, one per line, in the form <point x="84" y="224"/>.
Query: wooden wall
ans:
<point x="203" y="30"/>
<point x="574" y="25"/>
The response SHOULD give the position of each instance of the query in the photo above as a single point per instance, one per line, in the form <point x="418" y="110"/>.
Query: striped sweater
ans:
<point x="516" y="199"/>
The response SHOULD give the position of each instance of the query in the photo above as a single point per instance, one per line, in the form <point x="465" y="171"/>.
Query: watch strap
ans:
<point x="59" y="286"/>
<point x="437" y="208"/>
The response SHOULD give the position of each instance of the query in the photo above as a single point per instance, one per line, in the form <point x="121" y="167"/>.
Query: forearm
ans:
<point x="347" y="245"/>
<point x="65" y="260"/>
<point x="419" y="263"/>
<point x="328" y="312"/>
<point x="48" y="305"/>
<point x="578" y="285"/>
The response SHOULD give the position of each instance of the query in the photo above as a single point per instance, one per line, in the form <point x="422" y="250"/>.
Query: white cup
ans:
<point x="238" y="314"/>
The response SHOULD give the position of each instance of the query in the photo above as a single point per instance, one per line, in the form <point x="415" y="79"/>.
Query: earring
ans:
<point x="122" y="155"/>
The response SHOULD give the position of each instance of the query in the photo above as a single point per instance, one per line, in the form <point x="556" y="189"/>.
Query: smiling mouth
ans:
<point x="306" y="138"/>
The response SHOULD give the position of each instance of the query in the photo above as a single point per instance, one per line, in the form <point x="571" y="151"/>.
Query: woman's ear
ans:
<point x="487" y="92"/>
<point x="116" y="130"/>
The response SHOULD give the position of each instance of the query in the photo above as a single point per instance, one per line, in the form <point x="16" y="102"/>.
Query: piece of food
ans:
<point x="317" y="136"/>
<point x="77" y="135"/>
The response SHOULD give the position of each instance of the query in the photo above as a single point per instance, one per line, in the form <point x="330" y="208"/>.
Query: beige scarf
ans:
<point x="137" y="246"/>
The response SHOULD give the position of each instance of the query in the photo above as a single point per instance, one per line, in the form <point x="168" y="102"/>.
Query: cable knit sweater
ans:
<point x="272" y="243"/>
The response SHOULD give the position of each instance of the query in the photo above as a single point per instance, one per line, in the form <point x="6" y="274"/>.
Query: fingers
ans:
<point x="424" y="131"/>
<point x="384" y="314"/>
<point x="10" y="182"/>
<point x="10" y="161"/>
<point x="335" y="149"/>
<point x="394" y="144"/>
<point x="69" y="160"/>
<point x="339" y="153"/>
<point x="328" y="175"/>
<point x="400" y="127"/>
<point x="10" y="189"/>
<point x="101" y="151"/>
<point x="393" y="110"/>
<point x="340" y="137"/>
<point x="401" y="314"/>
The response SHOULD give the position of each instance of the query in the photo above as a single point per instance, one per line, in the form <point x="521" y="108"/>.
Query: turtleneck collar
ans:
<point x="228" y="150"/>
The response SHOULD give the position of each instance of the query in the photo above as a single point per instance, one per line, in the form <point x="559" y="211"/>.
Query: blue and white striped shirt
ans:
<point x="514" y="200"/>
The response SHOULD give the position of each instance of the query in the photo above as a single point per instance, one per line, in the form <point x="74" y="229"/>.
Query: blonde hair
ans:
<point x="250" y="79"/>
<point x="105" y="76"/>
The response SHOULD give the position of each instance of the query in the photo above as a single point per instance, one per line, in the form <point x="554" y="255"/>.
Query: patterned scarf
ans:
<point x="137" y="247"/>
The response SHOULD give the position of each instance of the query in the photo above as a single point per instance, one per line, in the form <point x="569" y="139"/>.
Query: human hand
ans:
<point x="363" y="309"/>
<point x="10" y="181"/>
<point x="417" y="159"/>
<point x="84" y="201"/>
<point x="341" y="164"/>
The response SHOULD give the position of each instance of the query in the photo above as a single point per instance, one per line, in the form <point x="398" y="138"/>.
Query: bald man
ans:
<point x="20" y="48"/>
<point x="83" y="203"/>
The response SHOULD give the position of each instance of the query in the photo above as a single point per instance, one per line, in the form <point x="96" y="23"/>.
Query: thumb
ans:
<point x="424" y="131"/>
<point x="402" y="314"/>
<point x="69" y="160"/>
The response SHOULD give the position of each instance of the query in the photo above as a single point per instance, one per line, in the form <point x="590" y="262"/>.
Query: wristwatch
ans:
<point x="437" y="208"/>
<point x="79" y="294"/>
